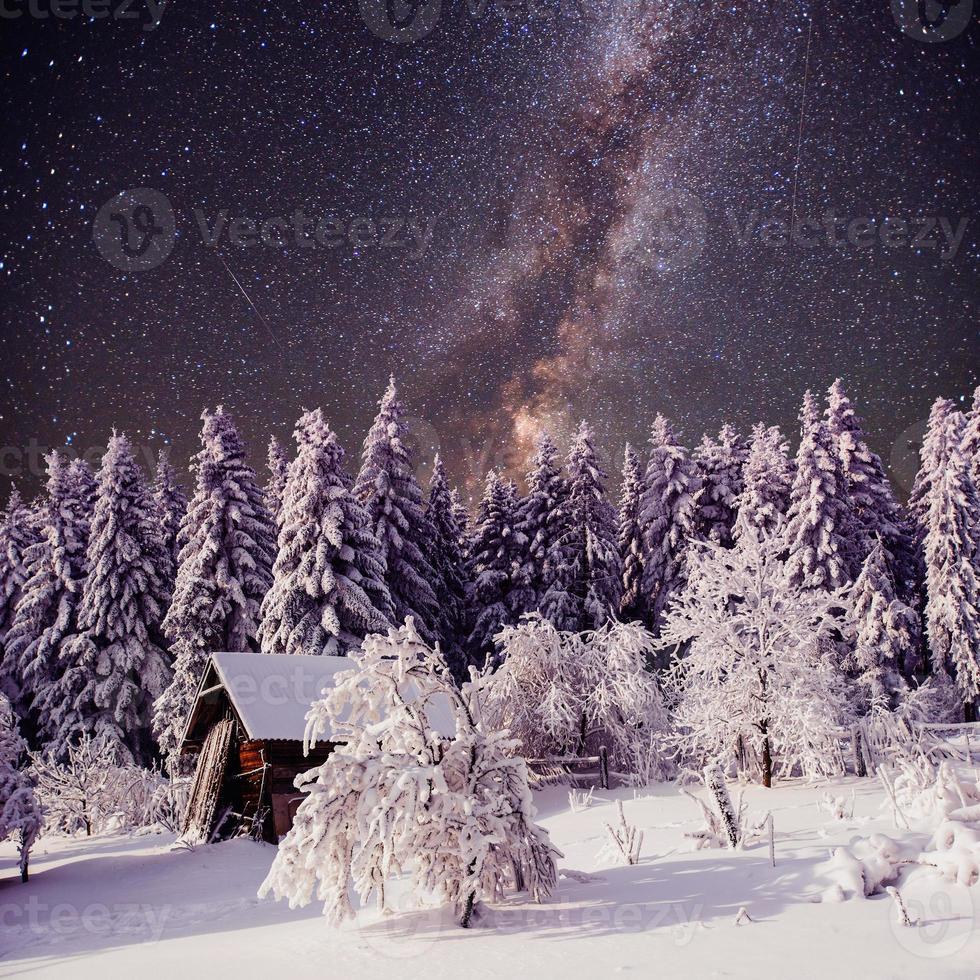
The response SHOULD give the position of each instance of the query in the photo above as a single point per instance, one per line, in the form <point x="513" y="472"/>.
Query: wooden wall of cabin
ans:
<point x="286" y="762"/>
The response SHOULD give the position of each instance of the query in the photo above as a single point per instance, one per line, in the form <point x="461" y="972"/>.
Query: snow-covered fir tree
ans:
<point x="668" y="518"/>
<point x="753" y="677"/>
<point x="953" y="564"/>
<point x="971" y="440"/>
<point x="171" y="504"/>
<point x="819" y="521"/>
<point x="929" y="463"/>
<point x="886" y="636"/>
<point x="328" y="590"/>
<point x="572" y="693"/>
<point x="387" y="487"/>
<point x="768" y="479"/>
<point x="874" y="511"/>
<point x="540" y="520"/>
<point x="20" y="812"/>
<point x="720" y="463"/>
<point x="418" y="785"/>
<point x="461" y="515"/>
<point x="447" y="560"/>
<point x="278" y="466"/>
<point x="586" y="583"/>
<point x="224" y="571"/>
<point x="629" y="537"/>
<point x="47" y="613"/>
<point x="17" y="534"/>
<point x="490" y="568"/>
<point x="118" y="664"/>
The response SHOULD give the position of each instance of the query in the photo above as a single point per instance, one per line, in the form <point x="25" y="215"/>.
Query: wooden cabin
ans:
<point x="245" y="733"/>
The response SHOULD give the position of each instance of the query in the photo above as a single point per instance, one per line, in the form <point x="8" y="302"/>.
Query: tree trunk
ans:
<point x="464" y="919"/>
<point x="766" y="761"/>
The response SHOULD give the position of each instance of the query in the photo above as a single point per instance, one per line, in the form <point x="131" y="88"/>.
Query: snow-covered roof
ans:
<point x="271" y="693"/>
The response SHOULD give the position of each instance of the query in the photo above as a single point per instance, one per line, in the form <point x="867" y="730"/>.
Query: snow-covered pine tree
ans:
<point x="586" y="582"/>
<point x="278" y="466"/>
<point x="446" y="558"/>
<point x="224" y="571"/>
<point x="447" y="804"/>
<point x="953" y="564"/>
<point x="971" y="440"/>
<point x="117" y="664"/>
<point x="768" y="476"/>
<point x="874" y="510"/>
<point x="389" y="491"/>
<point x="753" y="673"/>
<point x="886" y="633"/>
<point x="720" y="463"/>
<point x="819" y="521"/>
<point x="328" y="590"/>
<point x="171" y="504"/>
<point x="20" y="813"/>
<point x="540" y="520"/>
<point x="490" y="569"/>
<point x="629" y="538"/>
<point x="934" y="437"/>
<point x="17" y="534"/>
<point x="461" y="515"/>
<point x="668" y="518"/>
<point x="47" y="612"/>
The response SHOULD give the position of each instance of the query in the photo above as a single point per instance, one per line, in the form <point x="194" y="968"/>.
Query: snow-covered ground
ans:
<point x="120" y="906"/>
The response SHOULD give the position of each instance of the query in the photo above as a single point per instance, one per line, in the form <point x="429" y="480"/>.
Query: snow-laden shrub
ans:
<point x="419" y="786"/>
<point x="568" y="693"/>
<point x="752" y="667"/>
<point x="92" y="790"/>
<point x="20" y="812"/>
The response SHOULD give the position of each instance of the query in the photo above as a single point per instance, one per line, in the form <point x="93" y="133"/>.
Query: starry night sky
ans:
<point x="553" y="287"/>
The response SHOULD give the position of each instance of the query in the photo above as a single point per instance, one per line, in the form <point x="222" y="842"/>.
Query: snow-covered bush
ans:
<point x="755" y="674"/>
<point x="567" y="693"/>
<point x="625" y="839"/>
<point x="20" y="813"/>
<point x="419" y="786"/>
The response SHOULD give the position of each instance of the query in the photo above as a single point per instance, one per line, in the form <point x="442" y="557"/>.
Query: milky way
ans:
<point x="571" y="211"/>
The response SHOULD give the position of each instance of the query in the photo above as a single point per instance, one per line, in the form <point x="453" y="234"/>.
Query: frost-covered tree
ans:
<point x="117" y="664"/>
<point x="490" y="568"/>
<point x="447" y="560"/>
<point x="47" y="613"/>
<point x="418" y="785"/>
<point x="20" y="812"/>
<point x="929" y="464"/>
<point x="874" y="511"/>
<point x="629" y="537"/>
<point x="171" y="504"/>
<point x="754" y="675"/>
<point x="768" y="479"/>
<point x="328" y="589"/>
<point x="886" y="635"/>
<point x="17" y="534"/>
<point x="586" y="582"/>
<point x="224" y="571"/>
<point x="278" y="466"/>
<point x="952" y="556"/>
<point x="720" y="463"/>
<point x="971" y="440"/>
<point x="668" y="518"/>
<point x="819" y="522"/>
<point x="540" y="520"/>
<point x="572" y="693"/>
<point x="462" y="516"/>
<point x="389" y="491"/>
